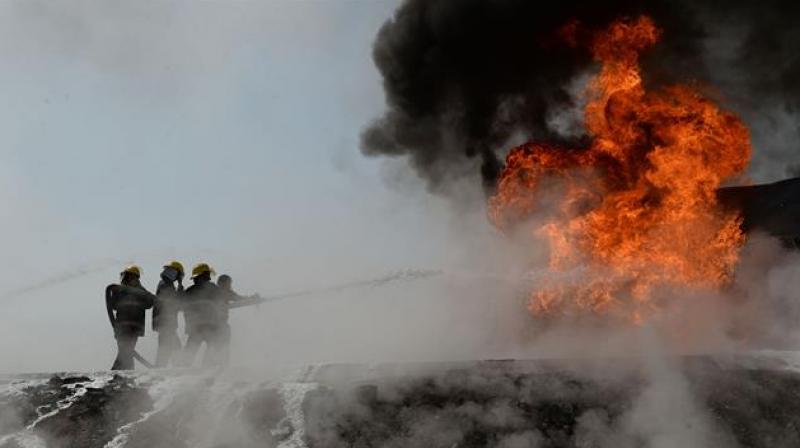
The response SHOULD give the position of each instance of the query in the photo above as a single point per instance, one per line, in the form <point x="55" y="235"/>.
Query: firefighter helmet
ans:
<point x="176" y="265"/>
<point x="202" y="268"/>
<point x="132" y="270"/>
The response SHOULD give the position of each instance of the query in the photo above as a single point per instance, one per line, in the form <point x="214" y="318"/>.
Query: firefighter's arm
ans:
<point x="156" y="312"/>
<point x="110" y="306"/>
<point x="231" y="298"/>
<point x="149" y="299"/>
<point x="243" y="301"/>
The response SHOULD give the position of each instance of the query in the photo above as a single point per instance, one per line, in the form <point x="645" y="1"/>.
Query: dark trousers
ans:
<point x="210" y="334"/>
<point x="126" y="344"/>
<point x="169" y="346"/>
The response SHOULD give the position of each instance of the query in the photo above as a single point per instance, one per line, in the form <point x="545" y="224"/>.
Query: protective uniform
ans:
<point x="126" y="304"/>
<point x="203" y="320"/>
<point x="227" y="297"/>
<point x="165" y="313"/>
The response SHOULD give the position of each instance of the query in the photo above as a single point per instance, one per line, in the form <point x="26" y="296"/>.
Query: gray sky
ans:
<point x="224" y="131"/>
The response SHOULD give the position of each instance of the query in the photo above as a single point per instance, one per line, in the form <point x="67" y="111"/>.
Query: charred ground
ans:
<point x="752" y="402"/>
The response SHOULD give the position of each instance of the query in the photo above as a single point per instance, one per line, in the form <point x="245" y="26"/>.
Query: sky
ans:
<point x="211" y="131"/>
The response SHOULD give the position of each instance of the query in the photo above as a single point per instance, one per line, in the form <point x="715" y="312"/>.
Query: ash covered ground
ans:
<point x="748" y="401"/>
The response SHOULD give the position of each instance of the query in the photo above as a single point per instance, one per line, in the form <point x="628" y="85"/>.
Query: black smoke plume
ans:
<point x="463" y="78"/>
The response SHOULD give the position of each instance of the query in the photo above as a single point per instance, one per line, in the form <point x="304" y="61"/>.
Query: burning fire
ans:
<point x="636" y="211"/>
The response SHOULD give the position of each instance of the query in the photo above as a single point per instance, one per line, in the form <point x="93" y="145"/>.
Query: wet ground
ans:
<point x="696" y="401"/>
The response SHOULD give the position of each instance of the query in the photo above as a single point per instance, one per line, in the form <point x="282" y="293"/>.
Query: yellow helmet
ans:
<point x="202" y="268"/>
<point x="133" y="270"/>
<point x="176" y="265"/>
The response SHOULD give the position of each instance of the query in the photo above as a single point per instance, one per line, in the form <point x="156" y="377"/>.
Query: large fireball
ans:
<point x="636" y="210"/>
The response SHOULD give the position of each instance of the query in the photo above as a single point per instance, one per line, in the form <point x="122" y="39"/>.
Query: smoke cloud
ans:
<point x="464" y="80"/>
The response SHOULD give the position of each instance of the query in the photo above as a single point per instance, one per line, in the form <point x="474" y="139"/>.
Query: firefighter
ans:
<point x="165" y="312"/>
<point x="227" y="298"/>
<point x="201" y="312"/>
<point x="126" y="304"/>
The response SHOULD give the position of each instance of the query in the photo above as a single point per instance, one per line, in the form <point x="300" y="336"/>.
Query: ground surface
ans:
<point x="751" y="401"/>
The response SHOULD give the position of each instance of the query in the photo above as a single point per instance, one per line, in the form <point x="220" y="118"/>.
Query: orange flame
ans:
<point x="637" y="209"/>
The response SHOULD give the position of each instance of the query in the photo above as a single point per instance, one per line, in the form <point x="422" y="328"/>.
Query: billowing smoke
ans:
<point x="466" y="79"/>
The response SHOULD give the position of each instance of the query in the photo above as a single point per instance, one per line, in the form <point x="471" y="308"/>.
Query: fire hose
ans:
<point x="402" y="275"/>
<point x="142" y="360"/>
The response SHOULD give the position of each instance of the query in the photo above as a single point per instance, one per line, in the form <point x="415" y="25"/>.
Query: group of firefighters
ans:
<point x="205" y="307"/>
